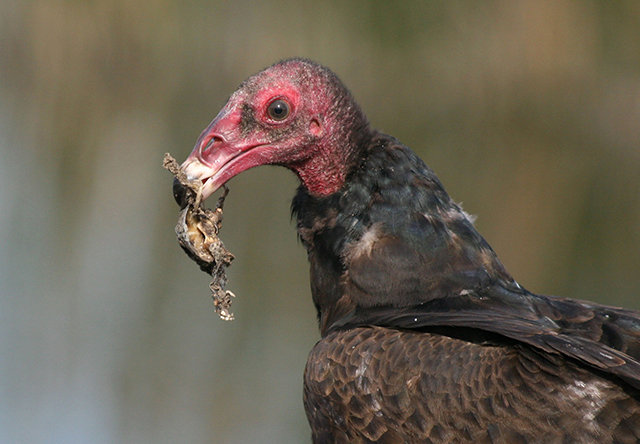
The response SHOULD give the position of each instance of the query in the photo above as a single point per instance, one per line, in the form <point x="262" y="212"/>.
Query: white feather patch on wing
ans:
<point x="451" y="214"/>
<point x="589" y="399"/>
<point x="365" y="244"/>
<point x="470" y="217"/>
<point x="459" y="213"/>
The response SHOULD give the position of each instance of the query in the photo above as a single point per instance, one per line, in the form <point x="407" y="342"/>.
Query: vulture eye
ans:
<point x="278" y="110"/>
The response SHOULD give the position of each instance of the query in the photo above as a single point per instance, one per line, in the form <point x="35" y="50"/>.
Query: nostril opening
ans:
<point x="211" y="144"/>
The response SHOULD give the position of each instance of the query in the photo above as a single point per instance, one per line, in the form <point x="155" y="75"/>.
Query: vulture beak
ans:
<point x="221" y="152"/>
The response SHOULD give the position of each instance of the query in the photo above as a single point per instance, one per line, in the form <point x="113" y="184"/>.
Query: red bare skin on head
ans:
<point x="309" y="134"/>
<point x="273" y="92"/>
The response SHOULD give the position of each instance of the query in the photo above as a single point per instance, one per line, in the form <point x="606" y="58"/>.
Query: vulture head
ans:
<point x="296" y="114"/>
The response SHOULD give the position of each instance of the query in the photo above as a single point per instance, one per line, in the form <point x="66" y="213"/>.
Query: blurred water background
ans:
<point x="529" y="111"/>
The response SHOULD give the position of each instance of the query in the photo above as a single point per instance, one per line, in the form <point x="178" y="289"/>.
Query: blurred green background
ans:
<point x="529" y="111"/>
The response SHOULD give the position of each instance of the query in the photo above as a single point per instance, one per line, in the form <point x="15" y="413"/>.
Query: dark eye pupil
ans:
<point x="278" y="110"/>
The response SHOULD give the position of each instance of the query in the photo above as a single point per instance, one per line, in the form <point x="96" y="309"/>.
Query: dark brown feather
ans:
<point x="373" y="384"/>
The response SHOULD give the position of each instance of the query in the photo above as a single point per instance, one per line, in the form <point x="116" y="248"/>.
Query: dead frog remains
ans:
<point x="197" y="232"/>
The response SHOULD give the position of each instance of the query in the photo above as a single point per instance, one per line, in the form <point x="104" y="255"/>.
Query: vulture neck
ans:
<point x="317" y="207"/>
<point x="334" y="154"/>
<point x="326" y="171"/>
<point x="389" y="200"/>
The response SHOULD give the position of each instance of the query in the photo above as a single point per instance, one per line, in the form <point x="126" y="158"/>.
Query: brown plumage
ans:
<point x="396" y="386"/>
<point x="426" y="338"/>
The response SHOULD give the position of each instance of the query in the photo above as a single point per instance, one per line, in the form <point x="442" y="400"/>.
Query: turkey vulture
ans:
<point x="425" y="336"/>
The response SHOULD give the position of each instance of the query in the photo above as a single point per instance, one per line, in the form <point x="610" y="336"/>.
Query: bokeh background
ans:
<point x="529" y="111"/>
